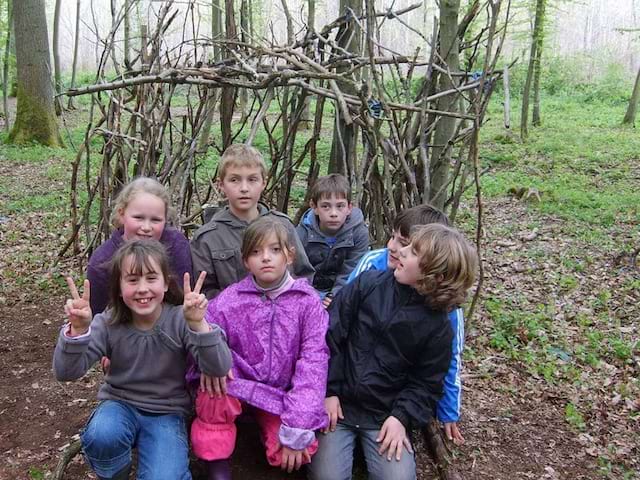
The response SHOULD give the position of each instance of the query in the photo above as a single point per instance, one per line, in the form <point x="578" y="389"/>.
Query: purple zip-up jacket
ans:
<point x="98" y="272"/>
<point x="280" y="356"/>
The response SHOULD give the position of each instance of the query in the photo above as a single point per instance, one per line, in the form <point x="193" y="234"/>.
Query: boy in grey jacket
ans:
<point x="215" y="247"/>
<point x="333" y="233"/>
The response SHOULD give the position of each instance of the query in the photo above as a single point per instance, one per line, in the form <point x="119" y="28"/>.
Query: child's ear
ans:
<point x="291" y="255"/>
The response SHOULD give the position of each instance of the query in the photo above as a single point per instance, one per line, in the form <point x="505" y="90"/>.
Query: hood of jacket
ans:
<point x="310" y="223"/>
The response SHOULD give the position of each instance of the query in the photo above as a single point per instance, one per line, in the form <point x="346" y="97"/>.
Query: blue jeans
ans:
<point x="115" y="427"/>
<point x="334" y="458"/>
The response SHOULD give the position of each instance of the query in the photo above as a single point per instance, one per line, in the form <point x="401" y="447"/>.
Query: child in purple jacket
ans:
<point x="141" y="211"/>
<point x="276" y="329"/>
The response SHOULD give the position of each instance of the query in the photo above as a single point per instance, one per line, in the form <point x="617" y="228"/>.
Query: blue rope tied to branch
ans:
<point x="375" y="108"/>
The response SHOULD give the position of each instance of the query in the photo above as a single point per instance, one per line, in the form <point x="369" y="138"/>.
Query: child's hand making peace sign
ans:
<point x="195" y="304"/>
<point x="78" y="309"/>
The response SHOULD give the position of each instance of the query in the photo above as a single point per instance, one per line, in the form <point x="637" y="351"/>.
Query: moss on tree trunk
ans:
<point x="34" y="122"/>
<point x="35" y="118"/>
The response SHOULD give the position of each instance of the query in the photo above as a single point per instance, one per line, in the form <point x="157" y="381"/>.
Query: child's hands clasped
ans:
<point x="334" y="410"/>
<point x="294" y="459"/>
<point x="78" y="308"/>
<point x="195" y="304"/>
<point x="393" y="437"/>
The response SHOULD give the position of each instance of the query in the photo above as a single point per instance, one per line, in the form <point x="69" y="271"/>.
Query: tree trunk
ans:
<point x="127" y="34"/>
<point x="74" y="67"/>
<point x="212" y="98"/>
<point x="537" y="29"/>
<point x="228" y="93"/>
<point x="305" y="121"/>
<point x="5" y="66"/>
<point x="630" y="116"/>
<point x="449" y="52"/>
<point x="56" y="56"/>
<point x="507" y="98"/>
<point x="243" y="93"/>
<point x="345" y="134"/>
<point x="36" y="116"/>
<point x="539" y="39"/>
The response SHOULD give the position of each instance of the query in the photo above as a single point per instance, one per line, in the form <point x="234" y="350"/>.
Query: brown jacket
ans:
<point x="215" y="249"/>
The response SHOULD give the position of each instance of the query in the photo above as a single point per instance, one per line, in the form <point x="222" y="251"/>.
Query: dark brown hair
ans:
<point x="448" y="264"/>
<point x="259" y="230"/>
<point x="423" y="214"/>
<point x="142" y="251"/>
<point x="333" y="184"/>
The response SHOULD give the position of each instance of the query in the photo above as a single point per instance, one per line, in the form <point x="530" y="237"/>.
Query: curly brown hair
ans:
<point x="448" y="264"/>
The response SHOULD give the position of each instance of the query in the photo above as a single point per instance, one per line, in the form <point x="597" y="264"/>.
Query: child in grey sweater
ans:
<point x="147" y="335"/>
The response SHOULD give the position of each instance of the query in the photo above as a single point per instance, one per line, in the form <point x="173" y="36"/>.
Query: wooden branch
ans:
<point x="439" y="452"/>
<point x="67" y="455"/>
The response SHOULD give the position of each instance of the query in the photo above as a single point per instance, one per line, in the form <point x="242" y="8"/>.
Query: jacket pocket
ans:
<point x="227" y="266"/>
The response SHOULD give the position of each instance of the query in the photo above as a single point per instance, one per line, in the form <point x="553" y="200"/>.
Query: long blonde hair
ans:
<point x="448" y="265"/>
<point x="142" y="185"/>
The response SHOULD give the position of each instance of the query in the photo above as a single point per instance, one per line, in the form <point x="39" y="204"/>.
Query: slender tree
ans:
<point x="537" y="64"/>
<point x="127" y="33"/>
<point x="56" y="55"/>
<point x="36" y="117"/>
<point x="228" y="93"/>
<point x="212" y="94"/>
<point x="630" y="115"/>
<point x="536" y="43"/>
<point x="345" y="134"/>
<point x="74" y="65"/>
<point x="445" y="129"/>
<point x="5" y="66"/>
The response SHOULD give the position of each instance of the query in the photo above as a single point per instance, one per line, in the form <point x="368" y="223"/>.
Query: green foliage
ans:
<point x="581" y="161"/>
<point x="36" y="474"/>
<point x="574" y="417"/>
<point x="580" y="77"/>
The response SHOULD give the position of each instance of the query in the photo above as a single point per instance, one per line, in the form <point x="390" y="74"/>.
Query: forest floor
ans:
<point x="552" y="358"/>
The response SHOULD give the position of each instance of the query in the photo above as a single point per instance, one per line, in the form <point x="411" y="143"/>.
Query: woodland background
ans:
<point x="552" y="357"/>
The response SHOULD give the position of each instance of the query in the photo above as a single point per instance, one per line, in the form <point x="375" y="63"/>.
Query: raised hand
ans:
<point x="77" y="308"/>
<point x="195" y="304"/>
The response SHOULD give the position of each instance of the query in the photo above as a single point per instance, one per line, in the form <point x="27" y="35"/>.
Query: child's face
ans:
<point x="268" y="262"/>
<point x="242" y="186"/>
<point x="143" y="293"/>
<point x="144" y="217"/>
<point x="407" y="270"/>
<point x="395" y="244"/>
<point x="332" y="212"/>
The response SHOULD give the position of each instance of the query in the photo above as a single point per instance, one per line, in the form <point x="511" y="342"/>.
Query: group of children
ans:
<point x="321" y="341"/>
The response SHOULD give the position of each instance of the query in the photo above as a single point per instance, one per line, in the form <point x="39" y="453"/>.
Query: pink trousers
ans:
<point x="213" y="432"/>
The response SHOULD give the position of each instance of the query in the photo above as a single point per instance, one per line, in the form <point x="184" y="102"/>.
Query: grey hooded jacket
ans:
<point x="333" y="262"/>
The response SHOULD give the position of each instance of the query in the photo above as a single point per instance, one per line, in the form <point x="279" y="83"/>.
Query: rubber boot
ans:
<point x="219" y="470"/>
<point x="121" y="475"/>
